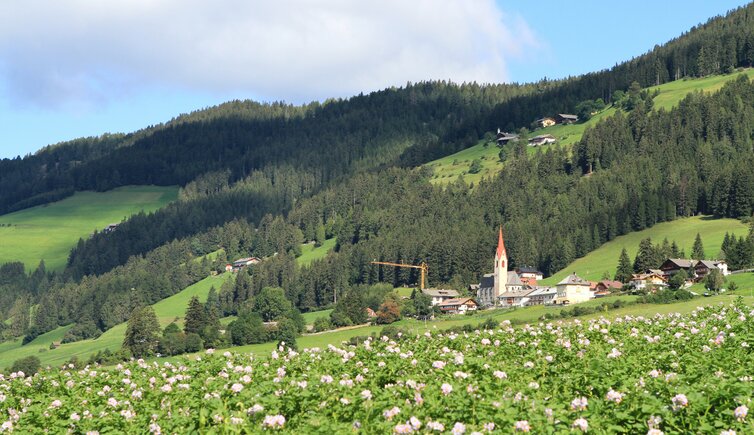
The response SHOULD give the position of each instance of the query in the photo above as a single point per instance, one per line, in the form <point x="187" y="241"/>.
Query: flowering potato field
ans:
<point x="664" y="374"/>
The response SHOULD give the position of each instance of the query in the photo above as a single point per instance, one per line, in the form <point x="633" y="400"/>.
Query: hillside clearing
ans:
<point x="683" y="231"/>
<point x="50" y="231"/>
<point x="310" y="253"/>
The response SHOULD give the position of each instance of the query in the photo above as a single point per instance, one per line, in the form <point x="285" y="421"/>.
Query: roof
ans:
<point x="707" y="263"/>
<point x="568" y="116"/>
<point x="456" y="301"/>
<point x="507" y="136"/>
<point x="574" y="279"/>
<point x="513" y="279"/>
<point x="488" y="281"/>
<point x="542" y="291"/>
<point x="439" y="293"/>
<point x="611" y="284"/>
<point x="528" y="269"/>
<point x="544" y="119"/>
<point x="516" y="294"/>
<point x="500" y="244"/>
<point x="542" y="137"/>
<point x="679" y="262"/>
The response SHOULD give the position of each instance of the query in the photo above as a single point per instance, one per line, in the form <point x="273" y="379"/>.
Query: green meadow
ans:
<point x="309" y="253"/>
<point x="167" y="310"/>
<point x="683" y="231"/>
<point x="50" y="231"/>
<point x="449" y="168"/>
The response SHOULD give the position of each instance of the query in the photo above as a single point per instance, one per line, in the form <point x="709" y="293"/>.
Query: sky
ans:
<point x="76" y="68"/>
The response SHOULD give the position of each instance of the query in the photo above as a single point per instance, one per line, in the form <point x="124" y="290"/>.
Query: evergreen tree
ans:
<point x="142" y="332"/>
<point x="272" y="304"/>
<point x="196" y="318"/>
<point x="647" y="257"/>
<point x="714" y="281"/>
<point x="697" y="252"/>
<point x="624" y="270"/>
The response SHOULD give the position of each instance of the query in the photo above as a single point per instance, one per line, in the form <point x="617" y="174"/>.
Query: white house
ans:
<point x="439" y="295"/>
<point x="573" y="290"/>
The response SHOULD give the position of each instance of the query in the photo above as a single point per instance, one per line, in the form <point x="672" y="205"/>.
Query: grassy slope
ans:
<point x="683" y="231"/>
<point x="309" y="253"/>
<point x="50" y="231"/>
<point x="673" y="92"/>
<point x="447" y="169"/>
<point x="167" y="310"/>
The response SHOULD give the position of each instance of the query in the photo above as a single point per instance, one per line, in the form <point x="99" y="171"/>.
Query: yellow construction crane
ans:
<point x="422" y="266"/>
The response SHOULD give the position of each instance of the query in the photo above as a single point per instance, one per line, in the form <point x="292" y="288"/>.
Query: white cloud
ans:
<point x="82" y="53"/>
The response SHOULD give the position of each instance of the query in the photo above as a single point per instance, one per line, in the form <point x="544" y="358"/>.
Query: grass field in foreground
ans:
<point x="50" y="231"/>
<point x="309" y="253"/>
<point x="167" y="310"/>
<point x="683" y="231"/>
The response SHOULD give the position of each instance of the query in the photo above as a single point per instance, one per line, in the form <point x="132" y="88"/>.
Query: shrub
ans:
<point x="322" y="324"/>
<point x="28" y="365"/>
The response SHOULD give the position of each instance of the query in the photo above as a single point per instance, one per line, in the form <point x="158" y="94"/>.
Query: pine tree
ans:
<point x="142" y="332"/>
<point x="697" y="252"/>
<point x="647" y="257"/>
<point x="625" y="270"/>
<point x="196" y="318"/>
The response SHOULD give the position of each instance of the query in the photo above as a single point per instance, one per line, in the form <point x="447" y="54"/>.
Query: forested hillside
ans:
<point x="263" y="178"/>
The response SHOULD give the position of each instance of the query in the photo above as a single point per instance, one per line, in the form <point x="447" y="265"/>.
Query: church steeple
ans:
<point x="501" y="266"/>
<point x="500" y="244"/>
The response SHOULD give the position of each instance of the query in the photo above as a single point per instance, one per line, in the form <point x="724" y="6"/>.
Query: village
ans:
<point x="518" y="287"/>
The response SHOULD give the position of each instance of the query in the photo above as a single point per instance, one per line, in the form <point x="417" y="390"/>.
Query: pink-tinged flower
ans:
<point x="415" y="423"/>
<point x="7" y="426"/>
<point x="75" y="417"/>
<point x="112" y="402"/>
<point x="345" y="401"/>
<point x="614" y="396"/>
<point x="392" y="412"/>
<point x="489" y="427"/>
<point x="326" y="379"/>
<point x="366" y="395"/>
<point x="458" y="429"/>
<point x="654" y="422"/>
<point x="522" y="426"/>
<point x="728" y="432"/>
<point x="580" y="424"/>
<point x="436" y="426"/>
<point x="55" y="404"/>
<point x="654" y="373"/>
<point x="579" y="404"/>
<point x="273" y="421"/>
<point x="500" y="375"/>
<point x="256" y="409"/>
<point x="548" y="412"/>
<point x="236" y="420"/>
<point x="236" y="388"/>
<point x="438" y="365"/>
<point x="128" y="414"/>
<point x="209" y="351"/>
<point x="615" y="353"/>
<point x="446" y="389"/>
<point x="741" y="412"/>
<point x="155" y="428"/>
<point x="680" y="401"/>
<point x="402" y="428"/>
<point x="655" y="432"/>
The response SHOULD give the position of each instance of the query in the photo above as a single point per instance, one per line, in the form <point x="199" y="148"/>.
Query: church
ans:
<point x="500" y="281"/>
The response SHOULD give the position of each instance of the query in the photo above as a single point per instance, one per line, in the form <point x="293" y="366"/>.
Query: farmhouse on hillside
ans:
<point x="440" y="295"/>
<point x="545" y="122"/>
<point x="696" y="269"/>
<point x="566" y="118"/>
<point x="607" y="286"/>
<point x="244" y="262"/>
<point x="458" y="305"/>
<point x="503" y="137"/>
<point x="573" y="290"/>
<point x="641" y="281"/>
<point x="542" y="139"/>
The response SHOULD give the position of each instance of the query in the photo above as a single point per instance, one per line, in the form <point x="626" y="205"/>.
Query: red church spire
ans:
<point x="500" y="244"/>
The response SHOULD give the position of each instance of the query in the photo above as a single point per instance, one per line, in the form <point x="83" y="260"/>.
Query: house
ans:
<point x="573" y="290"/>
<point x="542" y="139"/>
<point x="503" y="137"/>
<point x="458" y="305"/>
<point x="518" y="298"/>
<point x="542" y="296"/>
<point x="439" y="295"/>
<point x="652" y="279"/>
<point x="228" y="267"/>
<point x="545" y="122"/>
<point x="566" y="118"/>
<point x="110" y="228"/>
<point x="606" y="286"/>
<point x="370" y="313"/>
<point x="529" y="275"/>
<point x="244" y="262"/>
<point x="696" y="269"/>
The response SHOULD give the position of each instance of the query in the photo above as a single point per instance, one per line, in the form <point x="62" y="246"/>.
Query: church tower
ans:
<point x="501" y="266"/>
